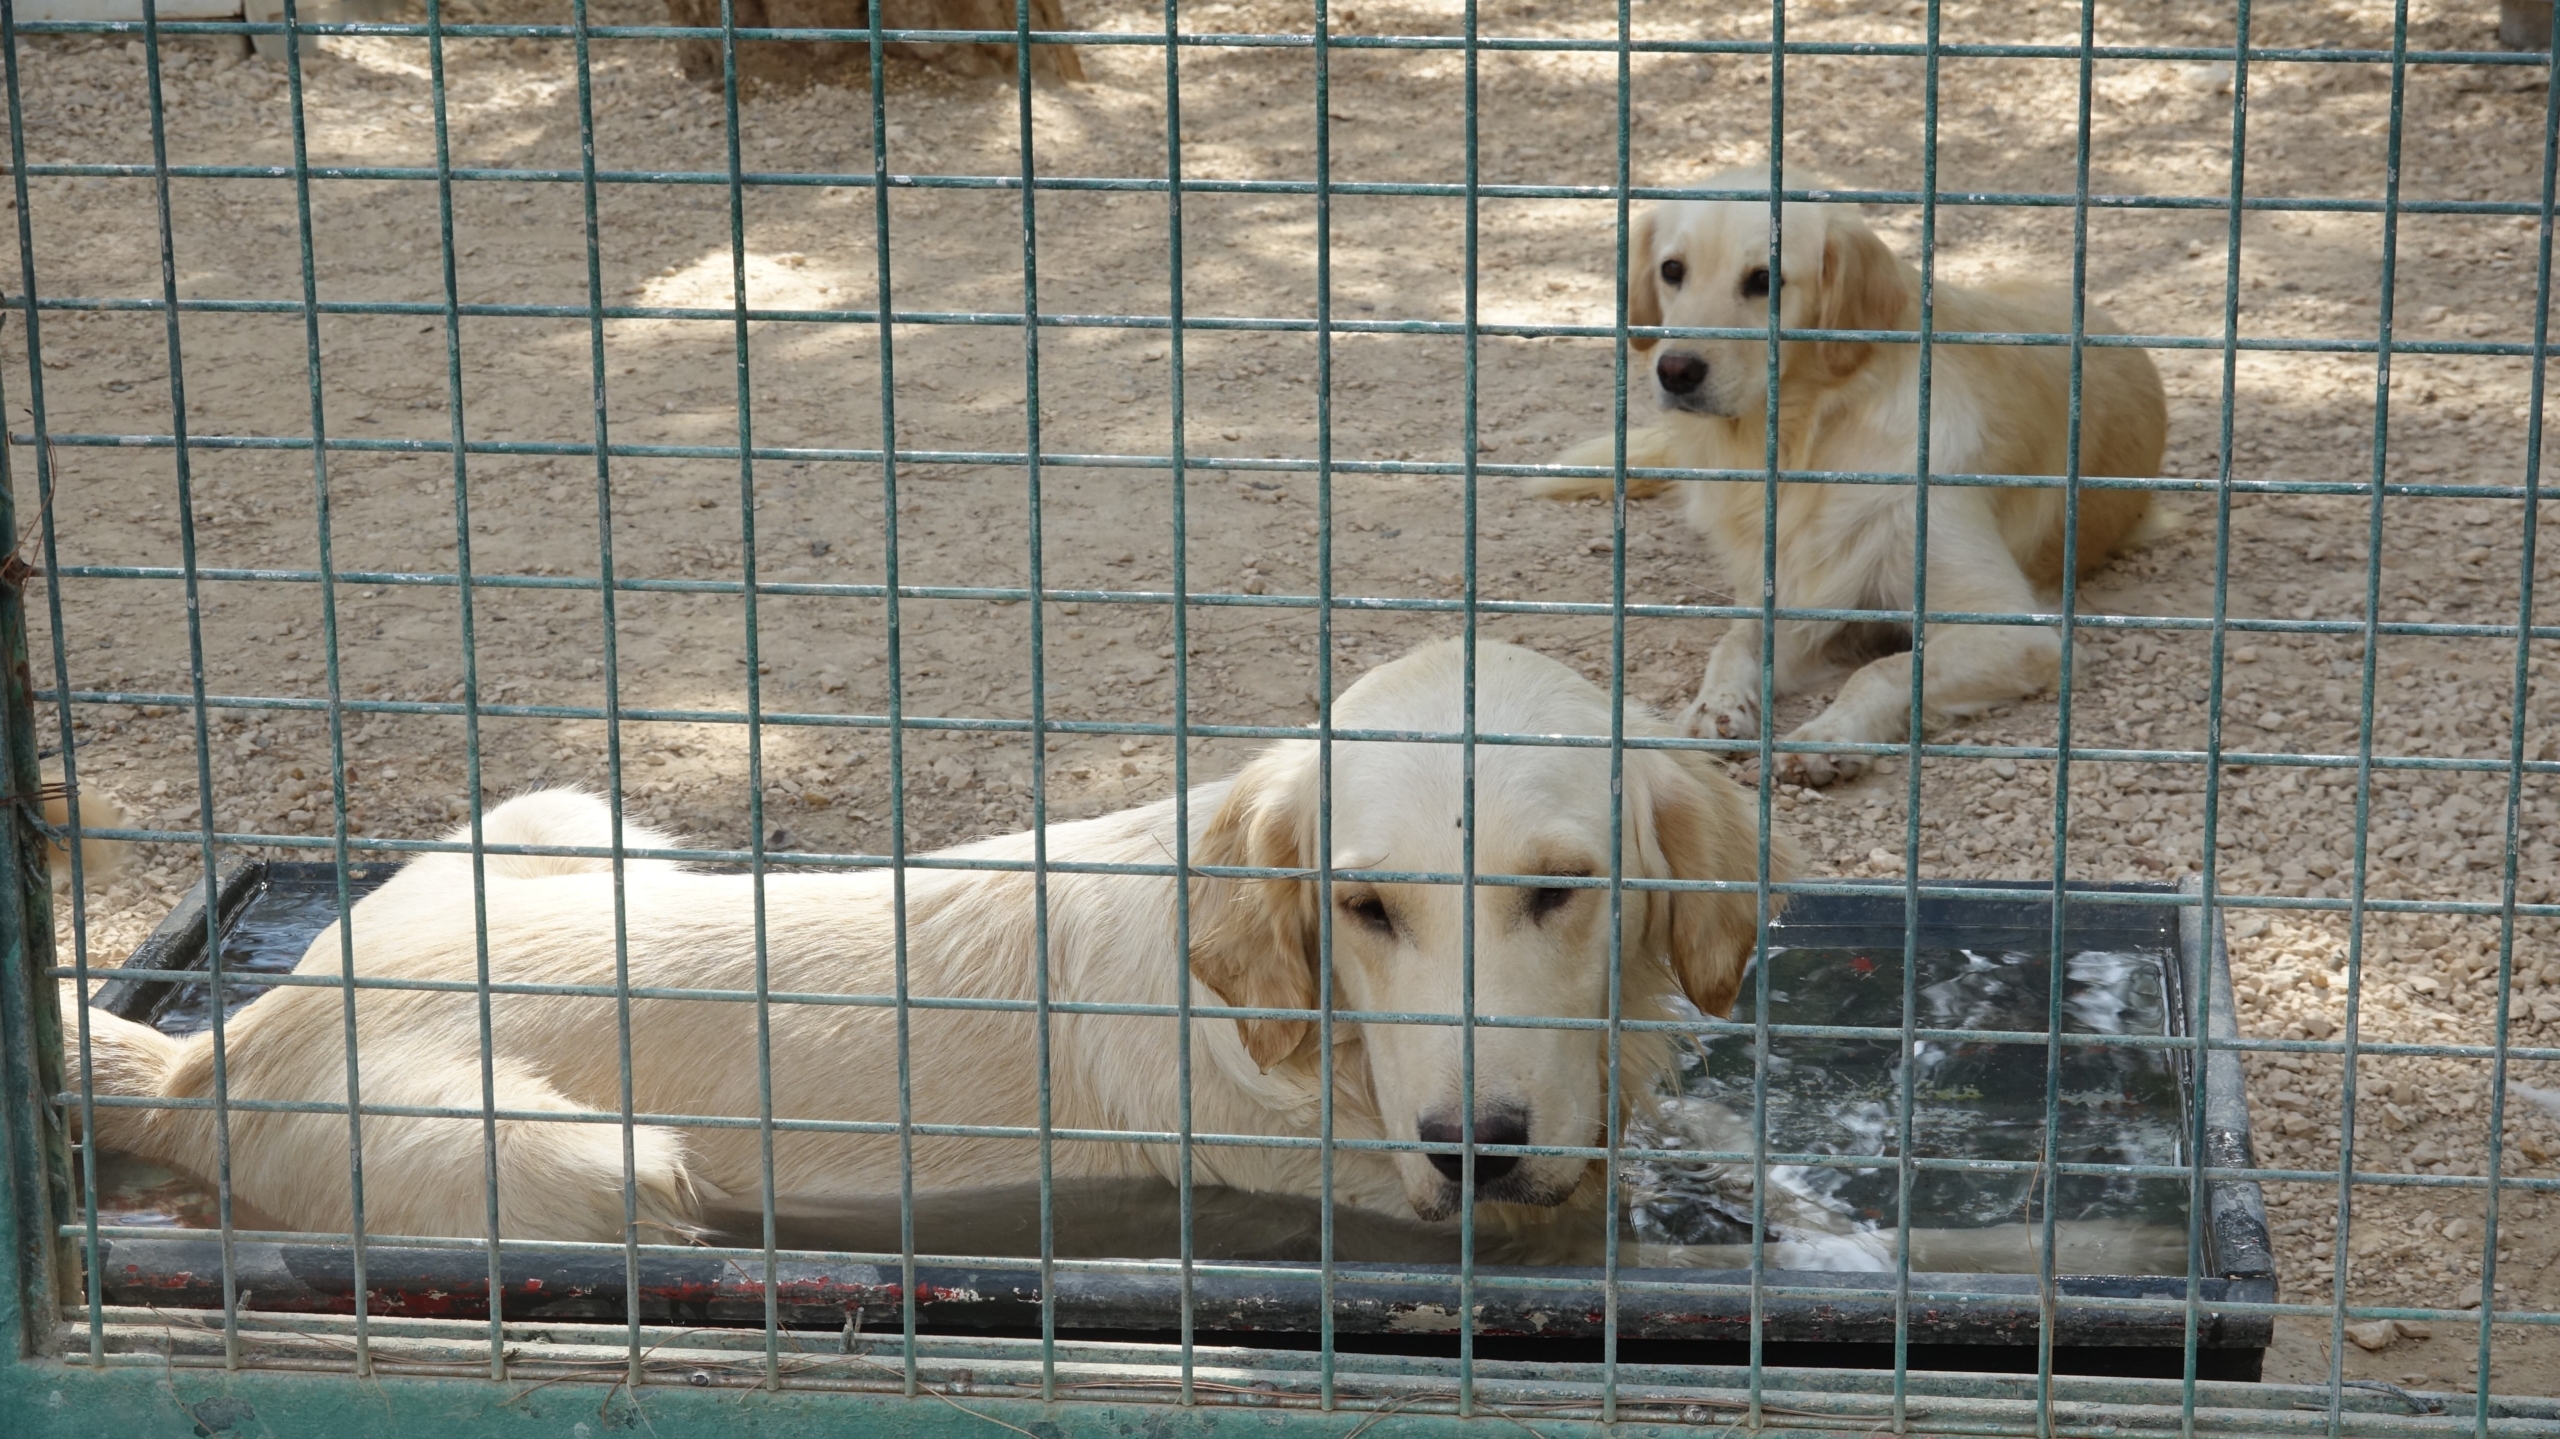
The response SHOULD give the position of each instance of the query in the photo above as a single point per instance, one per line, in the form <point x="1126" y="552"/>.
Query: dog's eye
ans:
<point x="1370" y="912"/>
<point x="1544" y="902"/>
<point x="1673" y="272"/>
<point x="1755" y="285"/>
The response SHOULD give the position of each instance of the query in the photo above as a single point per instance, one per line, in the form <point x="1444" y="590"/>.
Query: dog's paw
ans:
<point x="1817" y="770"/>
<point x="1821" y="769"/>
<point x="1722" y="716"/>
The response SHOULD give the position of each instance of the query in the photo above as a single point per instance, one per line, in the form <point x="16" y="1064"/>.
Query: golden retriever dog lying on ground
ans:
<point x="1539" y="951"/>
<point x="1853" y="405"/>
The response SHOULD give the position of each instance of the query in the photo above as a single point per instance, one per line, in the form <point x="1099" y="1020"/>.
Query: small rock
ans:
<point x="2006" y="769"/>
<point x="2209" y="79"/>
<point x="2379" y="1334"/>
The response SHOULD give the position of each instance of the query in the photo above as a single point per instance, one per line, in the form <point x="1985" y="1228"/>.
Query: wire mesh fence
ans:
<point x="466" y="407"/>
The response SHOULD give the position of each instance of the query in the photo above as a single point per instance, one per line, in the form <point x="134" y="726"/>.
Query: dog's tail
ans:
<point x="1647" y="447"/>
<point x="562" y="818"/>
<point x="565" y="818"/>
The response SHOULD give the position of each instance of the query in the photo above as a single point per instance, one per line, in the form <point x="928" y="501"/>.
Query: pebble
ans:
<point x="2209" y="79"/>
<point x="2379" y="1334"/>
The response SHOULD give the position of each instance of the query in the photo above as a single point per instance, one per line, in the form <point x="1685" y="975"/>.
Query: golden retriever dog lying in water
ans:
<point x="1853" y="405"/>
<point x="1539" y="951"/>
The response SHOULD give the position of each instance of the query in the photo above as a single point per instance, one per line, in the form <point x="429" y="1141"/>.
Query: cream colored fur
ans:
<point x="100" y="859"/>
<point x="1854" y="406"/>
<point x="969" y="935"/>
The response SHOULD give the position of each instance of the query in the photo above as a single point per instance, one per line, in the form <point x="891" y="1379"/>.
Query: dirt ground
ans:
<point x="2158" y="127"/>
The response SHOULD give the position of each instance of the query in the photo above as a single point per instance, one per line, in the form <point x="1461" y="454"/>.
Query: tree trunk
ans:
<point x="804" y="62"/>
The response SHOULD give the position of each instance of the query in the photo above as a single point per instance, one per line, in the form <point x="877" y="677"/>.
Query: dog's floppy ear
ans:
<point x="1644" y="297"/>
<point x="1693" y="823"/>
<point x="1254" y="940"/>
<point x="1862" y="289"/>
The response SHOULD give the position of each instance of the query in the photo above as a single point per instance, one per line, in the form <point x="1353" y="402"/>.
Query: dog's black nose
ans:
<point x="1499" y="1127"/>
<point x="1680" y="371"/>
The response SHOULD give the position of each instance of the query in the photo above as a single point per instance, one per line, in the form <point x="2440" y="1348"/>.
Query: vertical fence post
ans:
<point x="208" y="831"/>
<point x="1043" y="1025"/>
<point x="893" y="653"/>
<point x="742" y="341"/>
<point x="2216" y="643"/>
<point x="39" y="1152"/>
<point x="458" y="433"/>
<point x="1325" y="974"/>
<point x="2520" y="694"/>
<point x="608" y="590"/>
<point x="1469" y="619"/>
<point x="35" y="1043"/>
<point x="1621" y="224"/>
<point x="1176" y="308"/>
<point x="2360" y="861"/>
<point x="1764" y="786"/>
<point x="1906" y="1132"/>
<point x="2049" y="1175"/>
<point x="308" y="273"/>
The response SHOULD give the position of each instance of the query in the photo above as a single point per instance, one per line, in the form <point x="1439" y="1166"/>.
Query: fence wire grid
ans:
<point x="65" y="1316"/>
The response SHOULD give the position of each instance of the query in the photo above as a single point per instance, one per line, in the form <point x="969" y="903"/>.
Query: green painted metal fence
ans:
<point x="81" y="1365"/>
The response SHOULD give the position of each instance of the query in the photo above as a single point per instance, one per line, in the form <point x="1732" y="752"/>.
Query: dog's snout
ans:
<point x="1681" y="371"/>
<point x="1502" y="1126"/>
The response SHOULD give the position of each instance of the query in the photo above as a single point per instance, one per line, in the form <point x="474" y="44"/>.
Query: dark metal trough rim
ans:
<point x="430" y="1283"/>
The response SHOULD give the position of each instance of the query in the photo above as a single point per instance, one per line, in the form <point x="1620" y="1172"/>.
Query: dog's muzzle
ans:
<point x="1499" y="1126"/>
<point x="1500" y="1178"/>
<point x="1680" y="380"/>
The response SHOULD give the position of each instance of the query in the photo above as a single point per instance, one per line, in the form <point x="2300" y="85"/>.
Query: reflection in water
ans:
<point x="139" y="1194"/>
<point x="1975" y="1100"/>
<point x="268" y="939"/>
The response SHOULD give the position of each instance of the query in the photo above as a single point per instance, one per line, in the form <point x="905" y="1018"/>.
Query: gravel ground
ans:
<point x="2157" y="126"/>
